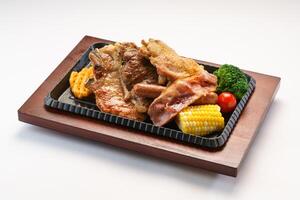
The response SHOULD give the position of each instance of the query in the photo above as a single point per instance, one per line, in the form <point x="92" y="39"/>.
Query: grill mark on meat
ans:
<point x="117" y="68"/>
<point x="107" y="86"/>
<point x="179" y="95"/>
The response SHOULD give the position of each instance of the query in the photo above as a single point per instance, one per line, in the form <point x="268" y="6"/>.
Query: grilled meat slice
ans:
<point x="110" y="97"/>
<point x="117" y="69"/>
<point x="179" y="95"/>
<point x="136" y="69"/>
<point x="168" y="63"/>
<point x="153" y="91"/>
<point x="209" y="98"/>
<point x="107" y="86"/>
<point x="106" y="60"/>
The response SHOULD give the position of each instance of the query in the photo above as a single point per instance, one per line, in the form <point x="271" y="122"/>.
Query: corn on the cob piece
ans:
<point x="200" y="120"/>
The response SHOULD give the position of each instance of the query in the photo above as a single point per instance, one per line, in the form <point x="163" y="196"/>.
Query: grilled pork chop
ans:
<point x="107" y="86"/>
<point x="117" y="68"/>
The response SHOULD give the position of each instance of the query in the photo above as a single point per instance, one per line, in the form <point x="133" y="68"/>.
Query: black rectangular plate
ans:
<point x="62" y="99"/>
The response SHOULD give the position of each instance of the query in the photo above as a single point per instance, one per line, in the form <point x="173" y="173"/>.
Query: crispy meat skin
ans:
<point x="168" y="63"/>
<point x="179" y="95"/>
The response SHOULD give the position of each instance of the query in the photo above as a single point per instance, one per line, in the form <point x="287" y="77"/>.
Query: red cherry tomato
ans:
<point x="226" y="101"/>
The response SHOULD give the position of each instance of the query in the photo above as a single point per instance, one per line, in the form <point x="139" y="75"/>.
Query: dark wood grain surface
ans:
<point x="225" y="161"/>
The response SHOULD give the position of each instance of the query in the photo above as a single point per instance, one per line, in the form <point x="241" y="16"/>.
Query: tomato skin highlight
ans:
<point x="227" y="102"/>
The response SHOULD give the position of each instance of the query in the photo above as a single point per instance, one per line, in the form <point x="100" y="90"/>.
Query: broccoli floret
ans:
<point x="231" y="79"/>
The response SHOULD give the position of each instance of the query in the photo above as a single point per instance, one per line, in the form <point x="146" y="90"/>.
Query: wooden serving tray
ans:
<point x="225" y="161"/>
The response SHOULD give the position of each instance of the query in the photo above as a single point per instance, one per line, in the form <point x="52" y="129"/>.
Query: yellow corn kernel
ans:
<point x="200" y="120"/>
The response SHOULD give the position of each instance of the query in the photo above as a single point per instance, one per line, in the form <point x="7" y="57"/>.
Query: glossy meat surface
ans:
<point x="168" y="63"/>
<point x="180" y="94"/>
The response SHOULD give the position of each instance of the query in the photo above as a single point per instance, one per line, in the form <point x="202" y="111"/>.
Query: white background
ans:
<point x="37" y="163"/>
